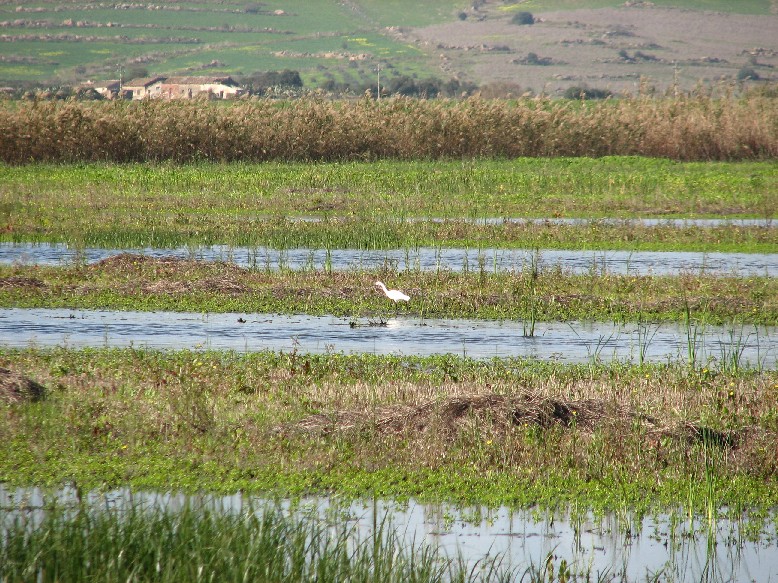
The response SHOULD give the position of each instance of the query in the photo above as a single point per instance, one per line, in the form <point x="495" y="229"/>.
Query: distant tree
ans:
<point x="457" y="88"/>
<point x="137" y="73"/>
<point x="259" y="82"/>
<point x="405" y="85"/>
<point x="579" y="92"/>
<point x="88" y="94"/>
<point x="747" y="74"/>
<point x="288" y="78"/>
<point x="523" y="18"/>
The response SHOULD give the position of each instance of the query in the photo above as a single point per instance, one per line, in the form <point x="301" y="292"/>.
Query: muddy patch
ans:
<point x="16" y="388"/>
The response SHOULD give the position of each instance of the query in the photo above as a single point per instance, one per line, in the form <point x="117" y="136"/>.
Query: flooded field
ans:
<point x="670" y="547"/>
<point x="563" y="341"/>
<point x="423" y="258"/>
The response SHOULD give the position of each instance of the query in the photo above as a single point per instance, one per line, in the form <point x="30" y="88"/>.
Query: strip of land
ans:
<point x="508" y="431"/>
<point x="136" y="282"/>
<point x="368" y="205"/>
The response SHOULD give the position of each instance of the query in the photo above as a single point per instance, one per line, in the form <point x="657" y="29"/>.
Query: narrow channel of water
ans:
<point x="666" y="547"/>
<point x="563" y="341"/>
<point x="424" y="259"/>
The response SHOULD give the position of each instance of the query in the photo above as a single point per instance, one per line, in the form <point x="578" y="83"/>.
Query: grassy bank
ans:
<point x="515" y="432"/>
<point x="684" y="128"/>
<point x="133" y="282"/>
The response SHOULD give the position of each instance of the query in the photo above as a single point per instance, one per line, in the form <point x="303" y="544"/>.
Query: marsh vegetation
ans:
<point x="688" y="128"/>
<point x="607" y="435"/>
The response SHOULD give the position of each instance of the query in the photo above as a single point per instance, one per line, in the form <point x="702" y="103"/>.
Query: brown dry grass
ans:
<point x="683" y="128"/>
<point x="20" y="282"/>
<point x="497" y="415"/>
<point x="16" y="388"/>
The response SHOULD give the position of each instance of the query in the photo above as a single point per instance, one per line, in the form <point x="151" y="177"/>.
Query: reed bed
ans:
<point x="135" y="543"/>
<point x="696" y="127"/>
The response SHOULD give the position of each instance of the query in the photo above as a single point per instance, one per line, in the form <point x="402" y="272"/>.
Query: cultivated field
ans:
<point x="608" y="44"/>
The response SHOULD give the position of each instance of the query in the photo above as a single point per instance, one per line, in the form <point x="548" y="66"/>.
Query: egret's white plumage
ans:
<point x="393" y="294"/>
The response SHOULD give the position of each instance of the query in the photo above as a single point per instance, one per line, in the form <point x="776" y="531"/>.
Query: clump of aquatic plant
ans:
<point x="134" y="543"/>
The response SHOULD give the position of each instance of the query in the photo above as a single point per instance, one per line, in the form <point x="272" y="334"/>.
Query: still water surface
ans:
<point x="424" y="259"/>
<point x="563" y="341"/>
<point x="670" y="546"/>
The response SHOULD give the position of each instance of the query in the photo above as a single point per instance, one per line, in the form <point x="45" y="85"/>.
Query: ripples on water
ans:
<point x="424" y="259"/>
<point x="563" y="341"/>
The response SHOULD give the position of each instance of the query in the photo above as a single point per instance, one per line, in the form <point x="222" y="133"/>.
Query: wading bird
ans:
<point x="393" y="294"/>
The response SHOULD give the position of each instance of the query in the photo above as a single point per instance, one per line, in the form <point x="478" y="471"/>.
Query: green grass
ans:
<point x="246" y="49"/>
<point x="292" y="424"/>
<point x="245" y="204"/>
<point x="138" y="283"/>
<point x="244" y="41"/>
<point x="259" y="544"/>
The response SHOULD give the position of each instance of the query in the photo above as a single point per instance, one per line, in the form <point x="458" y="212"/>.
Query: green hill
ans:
<point x="335" y="44"/>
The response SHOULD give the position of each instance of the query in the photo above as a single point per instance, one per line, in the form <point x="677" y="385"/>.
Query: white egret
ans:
<point x="393" y="294"/>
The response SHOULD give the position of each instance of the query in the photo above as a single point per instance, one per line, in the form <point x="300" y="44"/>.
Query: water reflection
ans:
<point x="621" y="546"/>
<point x="423" y="259"/>
<point x="563" y="341"/>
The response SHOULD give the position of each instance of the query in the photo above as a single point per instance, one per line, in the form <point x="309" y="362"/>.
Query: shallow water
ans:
<point x="563" y="341"/>
<point x="623" y="547"/>
<point x="423" y="258"/>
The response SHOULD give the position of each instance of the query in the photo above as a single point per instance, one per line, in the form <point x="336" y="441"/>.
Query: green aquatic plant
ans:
<point x="135" y="543"/>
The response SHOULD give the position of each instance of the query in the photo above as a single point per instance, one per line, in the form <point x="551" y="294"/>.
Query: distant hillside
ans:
<point x="352" y="44"/>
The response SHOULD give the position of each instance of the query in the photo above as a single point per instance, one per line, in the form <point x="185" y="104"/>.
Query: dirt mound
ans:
<point x="499" y="413"/>
<point x="17" y="282"/>
<point x="222" y="285"/>
<point x="498" y="410"/>
<point x="15" y="388"/>
<point x="136" y="261"/>
<point x="176" y="275"/>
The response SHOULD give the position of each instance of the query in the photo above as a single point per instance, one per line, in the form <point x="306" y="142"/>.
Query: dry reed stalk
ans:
<point x="683" y="128"/>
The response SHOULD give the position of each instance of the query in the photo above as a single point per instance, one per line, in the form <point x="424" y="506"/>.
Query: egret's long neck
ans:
<point x="382" y="286"/>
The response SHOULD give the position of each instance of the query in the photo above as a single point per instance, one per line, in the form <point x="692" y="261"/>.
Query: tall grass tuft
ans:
<point x="683" y="128"/>
<point x="196" y="544"/>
